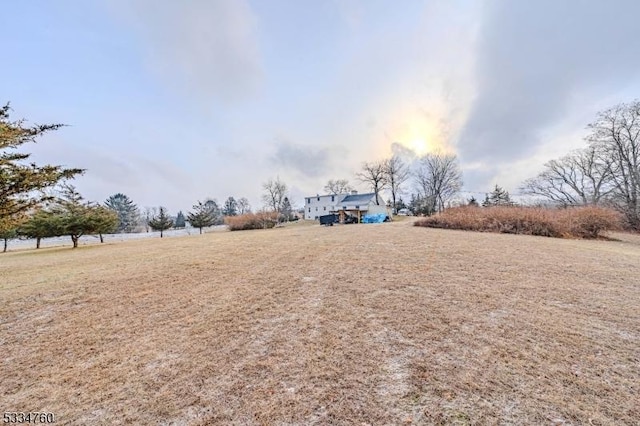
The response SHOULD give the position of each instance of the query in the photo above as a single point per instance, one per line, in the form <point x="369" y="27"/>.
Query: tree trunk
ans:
<point x="201" y="231"/>
<point x="38" y="242"/>
<point x="6" y="240"/>
<point x="161" y="233"/>
<point x="101" y="238"/>
<point x="74" y="238"/>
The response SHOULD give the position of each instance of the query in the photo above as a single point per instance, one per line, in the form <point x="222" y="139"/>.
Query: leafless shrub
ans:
<point x="261" y="220"/>
<point x="578" y="222"/>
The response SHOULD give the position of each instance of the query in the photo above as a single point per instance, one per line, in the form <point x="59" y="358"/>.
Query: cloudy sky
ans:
<point x="171" y="102"/>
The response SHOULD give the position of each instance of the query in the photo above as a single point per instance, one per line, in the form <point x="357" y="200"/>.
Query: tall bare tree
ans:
<point x="338" y="186"/>
<point x="397" y="173"/>
<point x="375" y="175"/>
<point x="147" y="214"/>
<point x="580" y="178"/>
<point x="616" y="131"/>
<point x="439" y="178"/>
<point x="275" y="193"/>
<point x="243" y="206"/>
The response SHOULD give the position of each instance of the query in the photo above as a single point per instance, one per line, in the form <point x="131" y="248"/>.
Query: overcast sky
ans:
<point x="171" y="102"/>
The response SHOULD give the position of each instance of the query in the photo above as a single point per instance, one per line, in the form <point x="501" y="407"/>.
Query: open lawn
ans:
<point x="357" y="324"/>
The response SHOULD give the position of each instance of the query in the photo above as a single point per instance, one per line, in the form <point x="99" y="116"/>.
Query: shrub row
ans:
<point x="576" y="222"/>
<point x="263" y="220"/>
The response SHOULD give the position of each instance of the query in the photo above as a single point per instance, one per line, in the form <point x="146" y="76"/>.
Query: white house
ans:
<point x="353" y="204"/>
<point x="320" y="205"/>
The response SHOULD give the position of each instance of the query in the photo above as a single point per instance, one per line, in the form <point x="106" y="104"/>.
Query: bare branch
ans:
<point x="439" y="178"/>
<point x="374" y="174"/>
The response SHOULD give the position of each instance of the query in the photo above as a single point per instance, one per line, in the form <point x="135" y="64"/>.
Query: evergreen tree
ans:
<point x="201" y="216"/>
<point x="127" y="211"/>
<point x="215" y="211"/>
<point x="180" y="221"/>
<point x="41" y="224"/>
<point x="76" y="218"/>
<point x="473" y="202"/>
<point x="400" y="205"/>
<point x="8" y="230"/>
<point x="286" y="211"/>
<point x="497" y="197"/>
<point x="230" y="207"/>
<point x="19" y="180"/>
<point x="104" y="220"/>
<point x="420" y="205"/>
<point x="161" y="222"/>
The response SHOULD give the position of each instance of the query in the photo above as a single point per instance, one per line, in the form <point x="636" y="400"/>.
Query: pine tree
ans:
<point x="230" y="207"/>
<point x="161" y="222"/>
<point x="420" y="205"/>
<point x="8" y="230"/>
<point x="76" y="218"/>
<point x="498" y="197"/>
<point x="19" y="180"/>
<point x="41" y="224"/>
<point x="400" y="205"/>
<point x="180" y="220"/>
<point x="215" y="211"/>
<point x="286" y="211"/>
<point x="201" y="216"/>
<point x="102" y="220"/>
<point x="127" y="211"/>
<point x="473" y="202"/>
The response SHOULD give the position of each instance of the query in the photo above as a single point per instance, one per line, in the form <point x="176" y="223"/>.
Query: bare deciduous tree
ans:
<point x="397" y="174"/>
<point x="616" y="131"/>
<point x="439" y="178"/>
<point x="275" y="193"/>
<point x="374" y="174"/>
<point x="243" y="206"/>
<point x="338" y="186"/>
<point x="147" y="214"/>
<point x="580" y="178"/>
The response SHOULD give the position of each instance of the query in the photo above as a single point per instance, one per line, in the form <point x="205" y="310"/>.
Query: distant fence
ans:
<point x="95" y="239"/>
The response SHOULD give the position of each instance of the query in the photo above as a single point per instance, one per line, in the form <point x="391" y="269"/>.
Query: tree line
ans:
<point x="606" y="172"/>
<point x="38" y="201"/>
<point x="436" y="177"/>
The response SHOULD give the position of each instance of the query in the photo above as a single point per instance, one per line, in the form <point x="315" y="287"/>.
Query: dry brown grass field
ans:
<point x="357" y="324"/>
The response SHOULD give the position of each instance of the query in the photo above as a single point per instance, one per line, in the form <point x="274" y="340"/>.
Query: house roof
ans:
<point x="358" y="198"/>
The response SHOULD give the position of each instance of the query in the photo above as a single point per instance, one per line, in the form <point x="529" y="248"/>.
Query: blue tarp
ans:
<point x="374" y="218"/>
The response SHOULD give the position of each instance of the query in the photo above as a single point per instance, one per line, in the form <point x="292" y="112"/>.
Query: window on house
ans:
<point x="316" y="209"/>
<point x="308" y="200"/>
<point x="318" y="198"/>
<point x="309" y="209"/>
<point x="324" y="208"/>
<point x="357" y="207"/>
<point x="333" y="198"/>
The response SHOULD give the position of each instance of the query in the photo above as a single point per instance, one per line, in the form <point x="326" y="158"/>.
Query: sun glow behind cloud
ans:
<point x="422" y="132"/>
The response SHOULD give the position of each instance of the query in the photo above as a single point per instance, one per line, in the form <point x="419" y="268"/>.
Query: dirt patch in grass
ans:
<point x="357" y="324"/>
